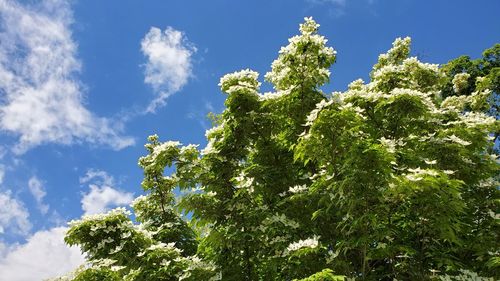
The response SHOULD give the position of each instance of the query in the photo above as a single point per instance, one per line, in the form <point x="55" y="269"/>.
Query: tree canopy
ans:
<point x="394" y="178"/>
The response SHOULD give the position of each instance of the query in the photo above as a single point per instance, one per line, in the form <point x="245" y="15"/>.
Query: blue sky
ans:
<point x="83" y="83"/>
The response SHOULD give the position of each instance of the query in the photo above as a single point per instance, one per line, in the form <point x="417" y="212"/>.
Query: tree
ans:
<point x="465" y="77"/>
<point x="162" y="246"/>
<point x="388" y="180"/>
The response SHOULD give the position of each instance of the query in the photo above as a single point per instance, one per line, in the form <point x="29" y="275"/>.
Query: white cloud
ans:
<point x="37" y="190"/>
<point x="2" y="173"/>
<point x="4" y="249"/>
<point x="102" y="196"/>
<point x="43" y="256"/>
<point x="98" y="177"/>
<point x="335" y="8"/>
<point x="335" y="2"/>
<point x="13" y="215"/>
<point x="200" y="114"/>
<point x="41" y="97"/>
<point x="169" y="64"/>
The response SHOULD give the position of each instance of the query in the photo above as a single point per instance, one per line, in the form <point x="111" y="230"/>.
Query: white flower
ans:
<point x="273" y="95"/>
<point x="430" y="162"/>
<point x="307" y="243"/>
<point x="99" y="217"/>
<point x="418" y="173"/>
<point x="211" y="193"/>
<point x="118" y="248"/>
<point x="103" y="263"/>
<point x="137" y="200"/>
<point x="164" y="246"/>
<point x="356" y="84"/>
<point x="297" y="188"/>
<point x="189" y="147"/>
<point x="282" y="194"/>
<point x="117" y="267"/>
<point x="163" y="147"/>
<point x="412" y="177"/>
<point x="216" y="129"/>
<point x="282" y="219"/>
<point x="209" y="149"/>
<point x="460" y="82"/>
<point x="165" y="262"/>
<point x="245" y="182"/>
<point x="241" y="80"/>
<point x="458" y="140"/>
<point x="309" y="26"/>
<point x="475" y="119"/>
<point x="390" y="144"/>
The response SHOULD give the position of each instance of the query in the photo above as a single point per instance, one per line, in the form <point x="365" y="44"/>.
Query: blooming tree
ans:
<point x="391" y="179"/>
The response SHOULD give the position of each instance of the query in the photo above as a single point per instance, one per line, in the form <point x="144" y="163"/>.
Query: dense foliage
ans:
<point x="391" y="179"/>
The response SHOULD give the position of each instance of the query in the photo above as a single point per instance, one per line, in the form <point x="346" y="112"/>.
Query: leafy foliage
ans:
<point x="465" y="77"/>
<point x="324" y="275"/>
<point x="391" y="179"/>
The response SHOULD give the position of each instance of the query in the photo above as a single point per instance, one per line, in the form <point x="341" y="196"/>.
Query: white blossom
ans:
<point x="307" y="243"/>
<point x="282" y="219"/>
<point x="458" y="140"/>
<point x="99" y="217"/>
<point x="209" y="149"/>
<point x="460" y="82"/>
<point x="297" y="188"/>
<point x="241" y="80"/>
<point x="430" y="162"/>
<point x="314" y="113"/>
<point x="214" y="130"/>
<point x="390" y="144"/>
<point x="417" y="174"/>
<point x="245" y="182"/>
<point x="273" y="95"/>
<point x="357" y="84"/>
<point x="164" y="147"/>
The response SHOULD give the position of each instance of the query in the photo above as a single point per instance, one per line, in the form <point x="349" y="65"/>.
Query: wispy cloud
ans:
<point x="43" y="256"/>
<point x="336" y="8"/>
<point x="13" y="215"/>
<point x="102" y="196"/>
<point x="38" y="191"/>
<point x="41" y="97"/>
<point x="201" y="114"/>
<point x="335" y="2"/>
<point x="169" y="63"/>
<point x="2" y="173"/>
<point x="97" y="177"/>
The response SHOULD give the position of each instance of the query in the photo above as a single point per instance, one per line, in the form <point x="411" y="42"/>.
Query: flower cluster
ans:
<point x="297" y="188"/>
<point x="242" y="80"/>
<point x="304" y="61"/>
<point x="460" y="82"/>
<point x="307" y="243"/>
<point x="120" y="211"/>
<point x="417" y="174"/>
